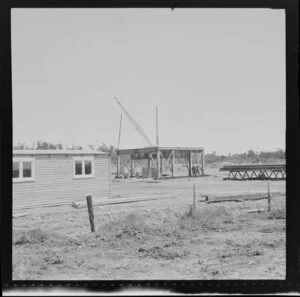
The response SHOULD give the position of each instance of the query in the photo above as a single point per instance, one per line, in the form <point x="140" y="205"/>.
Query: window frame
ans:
<point x="83" y="159"/>
<point x="20" y="160"/>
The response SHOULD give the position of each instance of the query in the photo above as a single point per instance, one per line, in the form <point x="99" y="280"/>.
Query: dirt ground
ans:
<point x="157" y="239"/>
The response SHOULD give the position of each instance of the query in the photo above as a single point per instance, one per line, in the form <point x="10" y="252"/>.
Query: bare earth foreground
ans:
<point x="156" y="239"/>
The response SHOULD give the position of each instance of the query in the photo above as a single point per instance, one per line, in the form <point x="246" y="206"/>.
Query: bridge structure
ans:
<point x="255" y="171"/>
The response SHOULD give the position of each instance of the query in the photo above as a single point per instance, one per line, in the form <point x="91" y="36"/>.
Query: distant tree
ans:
<point x="59" y="146"/>
<point x="76" y="147"/>
<point x="21" y="146"/>
<point x="44" y="145"/>
<point x="251" y="154"/>
<point x="108" y="149"/>
<point x="280" y="154"/>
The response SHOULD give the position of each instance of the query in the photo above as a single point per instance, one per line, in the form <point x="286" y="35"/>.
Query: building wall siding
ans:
<point x="54" y="183"/>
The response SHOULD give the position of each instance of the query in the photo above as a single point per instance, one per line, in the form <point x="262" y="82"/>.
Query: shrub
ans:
<point x="132" y="225"/>
<point x="31" y="236"/>
<point x="205" y="219"/>
<point x="276" y="214"/>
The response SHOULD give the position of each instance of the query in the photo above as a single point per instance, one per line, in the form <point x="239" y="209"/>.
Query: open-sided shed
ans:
<point x="157" y="162"/>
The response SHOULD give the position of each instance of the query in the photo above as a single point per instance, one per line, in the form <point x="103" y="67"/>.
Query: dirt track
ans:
<point x="157" y="239"/>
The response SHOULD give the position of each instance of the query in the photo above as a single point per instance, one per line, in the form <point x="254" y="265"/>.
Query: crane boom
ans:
<point x="134" y="123"/>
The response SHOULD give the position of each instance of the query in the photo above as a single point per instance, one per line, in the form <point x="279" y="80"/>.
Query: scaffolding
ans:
<point x="161" y="162"/>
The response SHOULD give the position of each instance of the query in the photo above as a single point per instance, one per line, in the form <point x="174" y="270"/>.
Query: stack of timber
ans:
<point x="239" y="196"/>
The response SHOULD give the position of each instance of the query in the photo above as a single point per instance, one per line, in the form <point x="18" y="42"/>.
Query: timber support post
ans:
<point x="173" y="163"/>
<point x="158" y="163"/>
<point x="190" y="163"/>
<point x="131" y="166"/>
<point x="149" y="168"/>
<point x="89" y="201"/>
<point x="194" y="197"/>
<point x="269" y="197"/>
<point x="118" y="164"/>
<point x="202" y="162"/>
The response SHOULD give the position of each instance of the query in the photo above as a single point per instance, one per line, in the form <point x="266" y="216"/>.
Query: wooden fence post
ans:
<point x="194" y="197"/>
<point x="90" y="211"/>
<point x="269" y="197"/>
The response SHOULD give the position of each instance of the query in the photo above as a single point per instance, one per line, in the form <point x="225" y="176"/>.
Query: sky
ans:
<point x="216" y="75"/>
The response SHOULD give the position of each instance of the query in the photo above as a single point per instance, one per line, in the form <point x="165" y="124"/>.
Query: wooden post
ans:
<point x="202" y="162"/>
<point x="118" y="163"/>
<point x="173" y="163"/>
<point x="158" y="163"/>
<point x="269" y="197"/>
<point x="194" y="197"/>
<point x="190" y="163"/>
<point x="149" y="168"/>
<point x="131" y="166"/>
<point x="89" y="202"/>
<point x="157" y="140"/>
<point x="120" y="132"/>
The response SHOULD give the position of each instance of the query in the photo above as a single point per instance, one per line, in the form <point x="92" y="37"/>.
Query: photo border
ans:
<point x="290" y="284"/>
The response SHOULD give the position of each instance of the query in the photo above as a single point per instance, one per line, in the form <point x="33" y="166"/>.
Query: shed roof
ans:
<point x="58" y="152"/>
<point x="162" y="148"/>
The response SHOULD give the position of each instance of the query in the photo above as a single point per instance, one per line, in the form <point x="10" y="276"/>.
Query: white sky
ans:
<point x="217" y="75"/>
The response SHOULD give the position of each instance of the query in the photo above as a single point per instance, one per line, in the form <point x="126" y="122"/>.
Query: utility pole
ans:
<point x="118" y="155"/>
<point x="158" y="165"/>
<point x="120" y="132"/>
<point x="157" y="140"/>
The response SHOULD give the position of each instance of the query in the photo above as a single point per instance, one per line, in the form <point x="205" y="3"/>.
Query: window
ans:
<point x="27" y="171"/>
<point x="16" y="169"/>
<point x="83" y="167"/>
<point x="23" y="169"/>
<point x="88" y="167"/>
<point x="78" y="167"/>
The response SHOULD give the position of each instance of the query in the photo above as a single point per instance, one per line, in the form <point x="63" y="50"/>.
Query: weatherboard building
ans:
<point x="57" y="177"/>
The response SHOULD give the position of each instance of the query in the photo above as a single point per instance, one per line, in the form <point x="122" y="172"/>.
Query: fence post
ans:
<point x="269" y="197"/>
<point x="194" y="197"/>
<point x="89" y="201"/>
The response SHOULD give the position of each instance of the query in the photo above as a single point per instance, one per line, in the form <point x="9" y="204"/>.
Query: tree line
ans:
<point x="46" y="145"/>
<point x="250" y="156"/>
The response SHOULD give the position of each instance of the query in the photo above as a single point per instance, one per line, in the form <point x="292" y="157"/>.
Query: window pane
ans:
<point x="27" y="169"/>
<point x="78" y="167"/>
<point x="88" y="167"/>
<point x="16" y="169"/>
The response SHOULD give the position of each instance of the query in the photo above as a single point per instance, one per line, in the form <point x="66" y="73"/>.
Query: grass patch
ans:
<point x="31" y="236"/>
<point x="276" y="214"/>
<point x="37" y="235"/>
<point x="206" y="219"/>
<point x="273" y="229"/>
<point x="130" y="226"/>
<point x="53" y="258"/>
<point x="158" y="252"/>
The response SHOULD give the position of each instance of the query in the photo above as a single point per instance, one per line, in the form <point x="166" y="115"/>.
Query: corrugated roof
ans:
<point x="58" y="152"/>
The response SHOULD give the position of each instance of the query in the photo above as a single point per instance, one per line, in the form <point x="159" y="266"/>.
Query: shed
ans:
<point x="54" y="177"/>
<point x="160" y="162"/>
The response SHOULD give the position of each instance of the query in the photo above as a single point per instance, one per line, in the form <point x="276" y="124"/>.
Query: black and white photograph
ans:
<point x="148" y="144"/>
